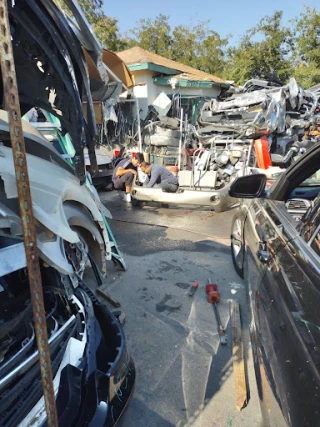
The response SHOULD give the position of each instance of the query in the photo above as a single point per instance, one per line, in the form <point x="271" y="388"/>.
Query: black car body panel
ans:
<point x="282" y="272"/>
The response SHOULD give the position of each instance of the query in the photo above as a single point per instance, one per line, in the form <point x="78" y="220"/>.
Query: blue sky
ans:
<point x="227" y="17"/>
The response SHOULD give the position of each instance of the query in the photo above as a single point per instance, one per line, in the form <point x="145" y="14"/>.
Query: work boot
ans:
<point x="127" y="197"/>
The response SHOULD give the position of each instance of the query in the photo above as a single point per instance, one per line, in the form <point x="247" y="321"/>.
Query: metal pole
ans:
<point x="138" y="119"/>
<point x="25" y="204"/>
<point x="180" y="140"/>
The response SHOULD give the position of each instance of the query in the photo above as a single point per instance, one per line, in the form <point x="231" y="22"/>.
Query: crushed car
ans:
<point x="262" y="126"/>
<point x="87" y="343"/>
<point x="93" y="374"/>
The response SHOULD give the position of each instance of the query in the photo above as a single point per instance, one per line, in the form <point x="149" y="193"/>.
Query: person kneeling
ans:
<point x="159" y="176"/>
<point x="124" y="173"/>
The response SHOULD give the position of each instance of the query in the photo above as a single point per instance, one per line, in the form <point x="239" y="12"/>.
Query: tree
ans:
<point x="265" y="48"/>
<point x="107" y="31"/>
<point x="212" y="58"/>
<point x="306" y="56"/>
<point x="153" y="35"/>
<point x="193" y="45"/>
<point x="199" y="47"/>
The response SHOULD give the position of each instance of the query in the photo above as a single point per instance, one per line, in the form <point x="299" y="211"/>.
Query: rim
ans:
<point x="237" y="245"/>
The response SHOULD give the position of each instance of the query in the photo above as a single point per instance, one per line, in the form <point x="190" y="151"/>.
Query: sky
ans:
<point x="226" y="16"/>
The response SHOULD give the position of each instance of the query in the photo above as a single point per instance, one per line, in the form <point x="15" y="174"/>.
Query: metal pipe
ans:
<point x="11" y="97"/>
<point x="139" y="126"/>
<point x="180" y="139"/>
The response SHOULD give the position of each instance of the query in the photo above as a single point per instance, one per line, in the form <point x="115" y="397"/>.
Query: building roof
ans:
<point x="137" y="55"/>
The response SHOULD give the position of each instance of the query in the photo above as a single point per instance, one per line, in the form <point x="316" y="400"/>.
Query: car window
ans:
<point x="302" y="200"/>
<point x="309" y="226"/>
<point x="313" y="180"/>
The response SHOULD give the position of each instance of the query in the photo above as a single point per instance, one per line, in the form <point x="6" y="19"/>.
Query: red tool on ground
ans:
<point x="193" y="288"/>
<point x="214" y="298"/>
<point x="211" y="287"/>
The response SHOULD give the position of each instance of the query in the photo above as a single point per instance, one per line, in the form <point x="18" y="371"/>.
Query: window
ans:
<point x="313" y="180"/>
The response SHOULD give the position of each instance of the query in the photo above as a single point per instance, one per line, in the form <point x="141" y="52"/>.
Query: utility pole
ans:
<point x="12" y="104"/>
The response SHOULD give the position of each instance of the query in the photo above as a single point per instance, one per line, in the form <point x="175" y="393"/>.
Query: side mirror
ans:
<point x="248" y="187"/>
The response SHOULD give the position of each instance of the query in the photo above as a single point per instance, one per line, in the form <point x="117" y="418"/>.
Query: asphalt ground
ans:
<point x="184" y="375"/>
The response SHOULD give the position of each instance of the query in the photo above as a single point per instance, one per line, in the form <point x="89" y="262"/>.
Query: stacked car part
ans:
<point x="260" y="108"/>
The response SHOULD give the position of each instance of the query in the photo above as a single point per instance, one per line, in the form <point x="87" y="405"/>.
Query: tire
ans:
<point x="237" y="244"/>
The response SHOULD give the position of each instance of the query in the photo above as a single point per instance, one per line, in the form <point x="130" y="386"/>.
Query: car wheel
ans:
<point x="237" y="244"/>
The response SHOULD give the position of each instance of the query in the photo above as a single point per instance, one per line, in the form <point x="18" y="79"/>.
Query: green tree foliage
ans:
<point x="306" y="53"/>
<point x="199" y="47"/>
<point x="264" y="49"/>
<point x="212" y="54"/>
<point x="287" y="50"/>
<point x="107" y="31"/>
<point x="193" y="45"/>
<point x="153" y="35"/>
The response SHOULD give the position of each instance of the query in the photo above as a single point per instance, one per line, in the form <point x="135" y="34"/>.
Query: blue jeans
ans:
<point x="167" y="187"/>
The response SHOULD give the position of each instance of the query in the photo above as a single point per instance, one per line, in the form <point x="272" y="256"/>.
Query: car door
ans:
<point x="285" y="300"/>
<point x="268" y="229"/>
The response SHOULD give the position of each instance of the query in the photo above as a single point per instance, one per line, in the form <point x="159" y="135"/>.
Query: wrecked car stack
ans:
<point x="262" y="125"/>
<point x="281" y="114"/>
<point x="257" y="108"/>
<point x="90" y="364"/>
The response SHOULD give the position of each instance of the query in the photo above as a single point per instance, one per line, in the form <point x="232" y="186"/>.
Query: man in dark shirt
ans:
<point x="159" y="176"/>
<point x="124" y="173"/>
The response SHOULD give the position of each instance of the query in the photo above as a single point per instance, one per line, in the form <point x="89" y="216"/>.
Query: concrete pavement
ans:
<point x="184" y="375"/>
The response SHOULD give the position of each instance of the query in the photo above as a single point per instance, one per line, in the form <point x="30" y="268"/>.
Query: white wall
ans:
<point x="146" y="94"/>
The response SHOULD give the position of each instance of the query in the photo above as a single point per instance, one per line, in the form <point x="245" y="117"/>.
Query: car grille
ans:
<point x="22" y="394"/>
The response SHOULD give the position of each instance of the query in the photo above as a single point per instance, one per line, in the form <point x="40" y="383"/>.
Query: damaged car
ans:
<point x="93" y="374"/>
<point x="262" y="126"/>
<point x="204" y="172"/>
<point x="91" y="366"/>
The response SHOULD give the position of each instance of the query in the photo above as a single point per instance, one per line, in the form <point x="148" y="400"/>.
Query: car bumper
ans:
<point x="218" y="200"/>
<point x="109" y="378"/>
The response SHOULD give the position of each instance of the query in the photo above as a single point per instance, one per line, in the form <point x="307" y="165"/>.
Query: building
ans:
<point x="154" y="74"/>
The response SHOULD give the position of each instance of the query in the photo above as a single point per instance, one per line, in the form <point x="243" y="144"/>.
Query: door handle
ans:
<point x="263" y="253"/>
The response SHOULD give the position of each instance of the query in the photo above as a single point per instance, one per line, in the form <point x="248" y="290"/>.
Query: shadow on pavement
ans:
<point x="139" y="414"/>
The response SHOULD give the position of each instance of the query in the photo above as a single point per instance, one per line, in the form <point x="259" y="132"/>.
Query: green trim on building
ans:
<point x="152" y="67"/>
<point x="164" y="81"/>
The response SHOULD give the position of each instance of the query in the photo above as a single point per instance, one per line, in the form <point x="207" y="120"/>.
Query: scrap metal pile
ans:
<point x="285" y="117"/>
<point x="258" y="108"/>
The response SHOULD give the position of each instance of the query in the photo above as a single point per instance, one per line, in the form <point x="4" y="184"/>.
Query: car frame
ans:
<point x="272" y="248"/>
<point x="90" y="363"/>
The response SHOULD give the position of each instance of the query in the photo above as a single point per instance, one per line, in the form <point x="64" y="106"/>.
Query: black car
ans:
<point x="275" y="245"/>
